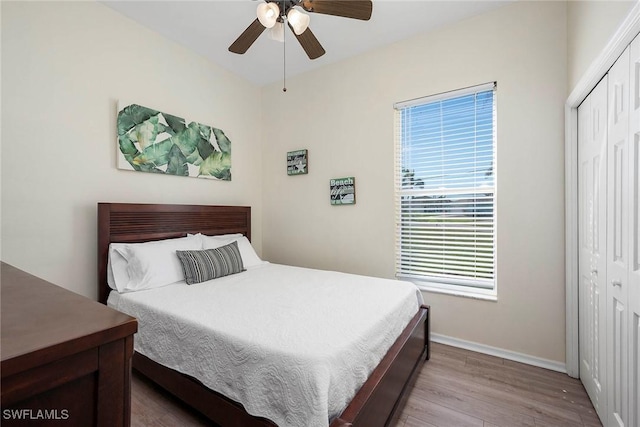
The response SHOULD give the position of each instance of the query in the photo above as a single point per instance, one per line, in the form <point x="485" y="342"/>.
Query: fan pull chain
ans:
<point x="284" y="56"/>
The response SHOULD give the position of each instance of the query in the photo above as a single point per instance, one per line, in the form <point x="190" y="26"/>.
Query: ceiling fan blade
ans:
<point x="356" y="9"/>
<point x="247" y="38"/>
<point x="309" y="43"/>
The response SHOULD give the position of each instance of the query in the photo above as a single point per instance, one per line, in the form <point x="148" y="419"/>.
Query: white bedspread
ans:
<point x="291" y="344"/>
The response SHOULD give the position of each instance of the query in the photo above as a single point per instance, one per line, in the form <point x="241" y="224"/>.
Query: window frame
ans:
<point x="467" y="287"/>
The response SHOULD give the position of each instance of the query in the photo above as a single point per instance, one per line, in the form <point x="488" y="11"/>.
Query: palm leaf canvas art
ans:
<point x="152" y="141"/>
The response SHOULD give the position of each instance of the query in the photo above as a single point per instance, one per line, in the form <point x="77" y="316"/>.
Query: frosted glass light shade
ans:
<point x="299" y="21"/>
<point x="268" y="14"/>
<point x="277" y="32"/>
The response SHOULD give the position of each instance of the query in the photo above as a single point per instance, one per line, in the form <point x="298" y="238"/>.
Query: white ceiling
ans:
<point x="209" y="27"/>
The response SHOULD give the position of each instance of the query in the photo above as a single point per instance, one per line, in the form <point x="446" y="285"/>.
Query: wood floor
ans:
<point x="456" y="388"/>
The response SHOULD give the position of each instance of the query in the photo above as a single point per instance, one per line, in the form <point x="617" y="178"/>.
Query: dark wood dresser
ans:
<point x="66" y="360"/>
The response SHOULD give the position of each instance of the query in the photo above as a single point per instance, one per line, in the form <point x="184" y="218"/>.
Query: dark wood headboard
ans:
<point x="135" y="223"/>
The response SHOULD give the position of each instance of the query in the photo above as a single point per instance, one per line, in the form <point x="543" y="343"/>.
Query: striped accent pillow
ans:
<point x="200" y="266"/>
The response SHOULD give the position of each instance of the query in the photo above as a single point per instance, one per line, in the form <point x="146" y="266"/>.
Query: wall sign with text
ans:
<point x="297" y="162"/>
<point x="343" y="191"/>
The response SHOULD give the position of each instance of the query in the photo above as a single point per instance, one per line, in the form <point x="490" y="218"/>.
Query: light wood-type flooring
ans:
<point x="456" y="388"/>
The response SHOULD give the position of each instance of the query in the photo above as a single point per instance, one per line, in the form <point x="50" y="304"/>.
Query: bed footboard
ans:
<point x="384" y="394"/>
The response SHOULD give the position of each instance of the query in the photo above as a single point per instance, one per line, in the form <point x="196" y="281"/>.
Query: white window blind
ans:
<point x="445" y="188"/>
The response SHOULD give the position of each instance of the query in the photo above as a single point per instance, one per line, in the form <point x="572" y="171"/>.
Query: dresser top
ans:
<point x="42" y="322"/>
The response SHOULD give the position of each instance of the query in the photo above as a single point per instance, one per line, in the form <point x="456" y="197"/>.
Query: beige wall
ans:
<point x="590" y="26"/>
<point x="64" y="66"/>
<point x="343" y="114"/>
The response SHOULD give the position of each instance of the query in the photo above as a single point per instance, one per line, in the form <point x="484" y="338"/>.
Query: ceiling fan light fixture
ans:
<point x="299" y="21"/>
<point x="268" y="14"/>
<point x="277" y="32"/>
<point x="290" y="12"/>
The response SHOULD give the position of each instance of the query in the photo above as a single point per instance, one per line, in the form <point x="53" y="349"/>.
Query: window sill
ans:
<point x="466" y="293"/>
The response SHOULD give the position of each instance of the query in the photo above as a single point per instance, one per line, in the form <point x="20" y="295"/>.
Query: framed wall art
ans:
<point x="343" y="191"/>
<point x="157" y="142"/>
<point x="297" y="162"/>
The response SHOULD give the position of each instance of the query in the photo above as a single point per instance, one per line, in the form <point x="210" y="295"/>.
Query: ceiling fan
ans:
<point x="273" y="15"/>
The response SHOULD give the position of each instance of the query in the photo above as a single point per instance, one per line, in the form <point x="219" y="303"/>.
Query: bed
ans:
<point x="374" y="404"/>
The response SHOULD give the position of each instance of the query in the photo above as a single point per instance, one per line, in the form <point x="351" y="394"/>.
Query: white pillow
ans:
<point x="155" y="264"/>
<point x="224" y="239"/>
<point x="249" y="256"/>
<point x="117" y="275"/>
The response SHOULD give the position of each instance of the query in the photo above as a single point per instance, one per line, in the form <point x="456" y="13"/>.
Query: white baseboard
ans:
<point x="499" y="352"/>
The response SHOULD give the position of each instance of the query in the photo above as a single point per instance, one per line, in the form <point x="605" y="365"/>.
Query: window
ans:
<point x="445" y="191"/>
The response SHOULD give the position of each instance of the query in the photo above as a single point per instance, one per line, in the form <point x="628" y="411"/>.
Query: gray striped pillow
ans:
<point x="200" y="266"/>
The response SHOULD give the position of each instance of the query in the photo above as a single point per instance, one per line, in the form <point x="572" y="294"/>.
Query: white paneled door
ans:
<point x="592" y="159"/>
<point x="617" y="283"/>
<point x="633" y="310"/>
<point x="609" y="239"/>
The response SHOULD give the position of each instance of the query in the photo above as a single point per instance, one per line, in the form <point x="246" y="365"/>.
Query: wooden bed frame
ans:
<point x="375" y="404"/>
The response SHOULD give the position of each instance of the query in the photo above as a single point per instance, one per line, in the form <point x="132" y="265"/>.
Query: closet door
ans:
<point x="633" y="317"/>
<point x="592" y="153"/>
<point x="617" y="284"/>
